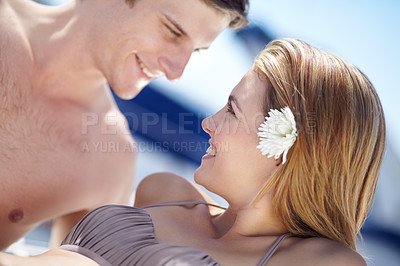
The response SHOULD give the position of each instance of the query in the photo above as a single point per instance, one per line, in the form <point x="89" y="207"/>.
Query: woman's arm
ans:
<point x="53" y="257"/>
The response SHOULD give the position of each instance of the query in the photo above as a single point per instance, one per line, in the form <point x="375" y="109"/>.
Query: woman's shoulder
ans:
<point x="322" y="251"/>
<point x="167" y="187"/>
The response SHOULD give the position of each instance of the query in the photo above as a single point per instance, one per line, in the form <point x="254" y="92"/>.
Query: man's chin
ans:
<point x="128" y="94"/>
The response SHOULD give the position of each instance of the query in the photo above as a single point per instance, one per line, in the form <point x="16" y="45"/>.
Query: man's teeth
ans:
<point x="145" y="70"/>
<point x="211" y="151"/>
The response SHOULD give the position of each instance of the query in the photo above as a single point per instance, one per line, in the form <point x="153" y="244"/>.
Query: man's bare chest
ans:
<point x="56" y="137"/>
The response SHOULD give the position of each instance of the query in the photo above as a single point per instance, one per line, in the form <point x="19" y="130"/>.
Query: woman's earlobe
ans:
<point x="278" y="161"/>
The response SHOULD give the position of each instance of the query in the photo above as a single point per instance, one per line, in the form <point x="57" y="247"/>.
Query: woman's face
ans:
<point x="234" y="168"/>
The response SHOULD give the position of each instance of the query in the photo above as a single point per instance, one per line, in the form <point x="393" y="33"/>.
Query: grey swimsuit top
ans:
<point x="116" y="235"/>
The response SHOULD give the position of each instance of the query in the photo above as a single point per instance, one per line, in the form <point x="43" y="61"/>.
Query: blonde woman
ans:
<point x="295" y="152"/>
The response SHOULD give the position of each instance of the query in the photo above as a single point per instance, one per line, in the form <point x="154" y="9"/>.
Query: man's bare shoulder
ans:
<point x="322" y="251"/>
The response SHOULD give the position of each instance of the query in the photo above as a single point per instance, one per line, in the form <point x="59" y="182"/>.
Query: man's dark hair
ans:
<point x="236" y="10"/>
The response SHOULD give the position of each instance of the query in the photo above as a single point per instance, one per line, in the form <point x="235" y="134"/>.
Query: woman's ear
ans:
<point x="274" y="165"/>
<point x="278" y="161"/>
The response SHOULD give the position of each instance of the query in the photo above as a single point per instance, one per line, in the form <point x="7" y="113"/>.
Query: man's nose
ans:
<point x="174" y="64"/>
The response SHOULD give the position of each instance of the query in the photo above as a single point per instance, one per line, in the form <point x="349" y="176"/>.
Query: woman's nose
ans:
<point x="208" y="124"/>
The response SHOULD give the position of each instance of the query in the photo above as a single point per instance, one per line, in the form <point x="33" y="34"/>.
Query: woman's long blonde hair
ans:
<point x="328" y="182"/>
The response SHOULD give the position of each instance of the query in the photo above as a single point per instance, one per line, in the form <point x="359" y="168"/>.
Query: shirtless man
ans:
<point x="55" y="105"/>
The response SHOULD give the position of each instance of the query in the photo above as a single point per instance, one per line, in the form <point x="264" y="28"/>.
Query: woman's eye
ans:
<point x="230" y="108"/>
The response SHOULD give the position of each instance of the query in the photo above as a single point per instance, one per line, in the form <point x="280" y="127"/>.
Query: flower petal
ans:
<point x="277" y="133"/>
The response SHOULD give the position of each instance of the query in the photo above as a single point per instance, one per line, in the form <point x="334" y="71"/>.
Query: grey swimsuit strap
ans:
<point x="267" y="256"/>
<point x="273" y="249"/>
<point x="182" y="203"/>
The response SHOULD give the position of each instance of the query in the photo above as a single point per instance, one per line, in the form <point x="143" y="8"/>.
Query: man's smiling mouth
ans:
<point x="145" y="70"/>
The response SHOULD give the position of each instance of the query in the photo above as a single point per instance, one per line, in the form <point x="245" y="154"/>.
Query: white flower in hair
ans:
<point x="277" y="133"/>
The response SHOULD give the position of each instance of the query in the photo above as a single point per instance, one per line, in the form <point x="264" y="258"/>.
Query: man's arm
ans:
<point x="53" y="257"/>
<point x="62" y="225"/>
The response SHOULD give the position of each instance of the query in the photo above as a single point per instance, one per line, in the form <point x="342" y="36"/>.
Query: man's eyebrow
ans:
<point x="176" y="25"/>
<point x="233" y="99"/>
